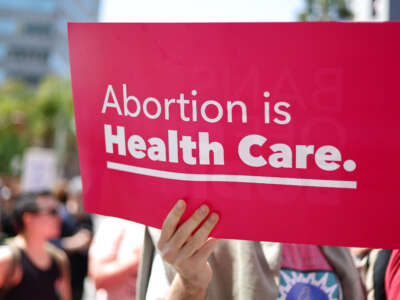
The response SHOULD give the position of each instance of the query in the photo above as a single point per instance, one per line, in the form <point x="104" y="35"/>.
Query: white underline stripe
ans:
<point x="233" y="178"/>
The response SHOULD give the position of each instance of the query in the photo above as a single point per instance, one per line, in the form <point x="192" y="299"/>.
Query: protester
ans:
<point x="372" y="264"/>
<point x="76" y="234"/>
<point x="114" y="258"/>
<point x="198" y="267"/>
<point x="30" y="267"/>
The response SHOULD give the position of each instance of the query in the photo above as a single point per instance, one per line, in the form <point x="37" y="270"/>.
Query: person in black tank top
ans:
<point x="35" y="283"/>
<point x="30" y="267"/>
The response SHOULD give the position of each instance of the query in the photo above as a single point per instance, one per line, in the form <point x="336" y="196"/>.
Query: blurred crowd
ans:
<point x="93" y="257"/>
<point x="57" y="217"/>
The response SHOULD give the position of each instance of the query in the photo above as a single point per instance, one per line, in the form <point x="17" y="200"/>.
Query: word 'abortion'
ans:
<point x="210" y="111"/>
<point x="192" y="152"/>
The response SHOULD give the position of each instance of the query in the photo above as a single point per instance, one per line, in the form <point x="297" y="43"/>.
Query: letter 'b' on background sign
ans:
<point x="289" y="131"/>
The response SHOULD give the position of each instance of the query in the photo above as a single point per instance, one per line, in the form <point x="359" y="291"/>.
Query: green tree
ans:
<point x="14" y="105"/>
<point x="52" y="111"/>
<point x="41" y="116"/>
<point x="326" y="10"/>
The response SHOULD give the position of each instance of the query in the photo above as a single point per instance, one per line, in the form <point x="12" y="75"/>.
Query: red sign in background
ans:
<point x="304" y="86"/>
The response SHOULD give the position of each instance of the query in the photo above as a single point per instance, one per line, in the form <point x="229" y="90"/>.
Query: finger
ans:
<point x="172" y="221"/>
<point x="205" y="251"/>
<point x="185" y="231"/>
<point x="118" y="242"/>
<point x="200" y="237"/>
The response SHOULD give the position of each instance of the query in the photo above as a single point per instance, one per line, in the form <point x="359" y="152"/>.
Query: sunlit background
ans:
<point x="37" y="134"/>
<point x="35" y="97"/>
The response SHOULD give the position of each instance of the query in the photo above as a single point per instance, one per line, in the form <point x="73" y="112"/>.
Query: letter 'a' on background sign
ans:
<point x="289" y="131"/>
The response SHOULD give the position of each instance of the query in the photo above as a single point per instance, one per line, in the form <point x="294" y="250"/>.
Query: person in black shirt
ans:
<point x="30" y="267"/>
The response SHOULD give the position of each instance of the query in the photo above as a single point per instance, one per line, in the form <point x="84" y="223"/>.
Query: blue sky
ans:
<point x="199" y="10"/>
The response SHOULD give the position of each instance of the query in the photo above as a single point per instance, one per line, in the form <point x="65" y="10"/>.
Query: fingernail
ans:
<point x="214" y="217"/>
<point x="180" y="204"/>
<point x="204" y="209"/>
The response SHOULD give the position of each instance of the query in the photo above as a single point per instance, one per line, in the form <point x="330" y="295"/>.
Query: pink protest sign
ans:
<point x="288" y="130"/>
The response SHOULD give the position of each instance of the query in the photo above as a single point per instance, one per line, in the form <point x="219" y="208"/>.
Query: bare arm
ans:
<point x="110" y="271"/>
<point x="63" y="284"/>
<point x="80" y="241"/>
<point x="5" y="264"/>
<point x="187" y="250"/>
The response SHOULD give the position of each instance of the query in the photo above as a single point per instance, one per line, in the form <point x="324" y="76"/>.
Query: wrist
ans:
<point x="193" y="289"/>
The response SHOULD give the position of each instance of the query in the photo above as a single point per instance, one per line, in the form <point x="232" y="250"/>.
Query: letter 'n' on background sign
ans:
<point x="288" y="130"/>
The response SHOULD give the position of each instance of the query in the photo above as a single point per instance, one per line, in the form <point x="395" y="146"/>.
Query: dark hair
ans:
<point x="26" y="203"/>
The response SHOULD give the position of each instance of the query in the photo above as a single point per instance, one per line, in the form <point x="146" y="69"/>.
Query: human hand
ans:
<point x="188" y="249"/>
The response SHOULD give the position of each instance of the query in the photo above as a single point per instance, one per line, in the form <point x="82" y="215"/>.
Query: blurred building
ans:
<point x="376" y="10"/>
<point x="394" y="13"/>
<point x="33" y="35"/>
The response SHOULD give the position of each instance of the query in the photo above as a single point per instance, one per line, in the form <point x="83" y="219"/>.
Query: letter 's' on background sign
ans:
<point x="290" y="131"/>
